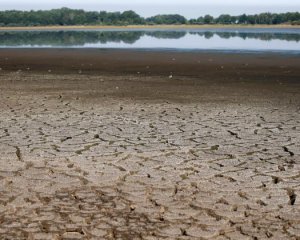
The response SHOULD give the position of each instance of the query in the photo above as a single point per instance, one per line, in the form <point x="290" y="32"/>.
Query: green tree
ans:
<point x="66" y="16"/>
<point x="130" y="17"/>
<point x="224" y="19"/>
<point x="167" y="19"/>
<point x="208" y="19"/>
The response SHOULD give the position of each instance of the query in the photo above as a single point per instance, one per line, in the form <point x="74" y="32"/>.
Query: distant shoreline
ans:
<point x="186" y="26"/>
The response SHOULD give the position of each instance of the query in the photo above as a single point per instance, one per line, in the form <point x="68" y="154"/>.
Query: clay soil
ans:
<point x="118" y="144"/>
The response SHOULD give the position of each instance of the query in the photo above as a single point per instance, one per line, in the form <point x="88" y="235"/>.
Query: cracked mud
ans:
<point x="90" y="157"/>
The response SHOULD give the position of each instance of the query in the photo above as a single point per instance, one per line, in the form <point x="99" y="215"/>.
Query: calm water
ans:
<point x="286" y="40"/>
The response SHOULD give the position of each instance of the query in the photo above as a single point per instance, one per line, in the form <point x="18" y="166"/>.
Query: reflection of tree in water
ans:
<point x="167" y="34"/>
<point x="264" y="36"/>
<point x="67" y="38"/>
<point x="208" y="35"/>
<point x="126" y="37"/>
<point x="79" y="38"/>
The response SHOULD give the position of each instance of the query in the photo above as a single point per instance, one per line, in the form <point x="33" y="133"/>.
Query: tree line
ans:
<point x="67" y="17"/>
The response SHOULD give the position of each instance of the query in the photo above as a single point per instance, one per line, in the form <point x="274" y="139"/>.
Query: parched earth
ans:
<point x="137" y="157"/>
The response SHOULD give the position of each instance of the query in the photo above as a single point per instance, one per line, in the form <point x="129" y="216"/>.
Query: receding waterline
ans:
<point x="193" y="39"/>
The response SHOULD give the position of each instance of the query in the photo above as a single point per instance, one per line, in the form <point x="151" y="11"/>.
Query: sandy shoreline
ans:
<point x="150" y="27"/>
<point x="149" y="145"/>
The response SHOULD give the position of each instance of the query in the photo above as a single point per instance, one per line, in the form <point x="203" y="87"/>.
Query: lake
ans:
<point x="235" y="39"/>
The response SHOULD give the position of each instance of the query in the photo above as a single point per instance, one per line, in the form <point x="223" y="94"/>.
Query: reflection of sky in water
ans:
<point x="226" y="39"/>
<point x="200" y="42"/>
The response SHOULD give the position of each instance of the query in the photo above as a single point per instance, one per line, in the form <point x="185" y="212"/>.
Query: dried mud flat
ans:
<point x="147" y="157"/>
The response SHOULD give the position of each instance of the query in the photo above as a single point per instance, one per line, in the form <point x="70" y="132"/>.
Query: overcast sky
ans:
<point x="188" y="8"/>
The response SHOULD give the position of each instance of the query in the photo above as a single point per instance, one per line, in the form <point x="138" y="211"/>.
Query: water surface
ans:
<point x="261" y="40"/>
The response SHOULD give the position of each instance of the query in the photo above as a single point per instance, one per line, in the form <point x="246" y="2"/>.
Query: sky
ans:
<point x="146" y="8"/>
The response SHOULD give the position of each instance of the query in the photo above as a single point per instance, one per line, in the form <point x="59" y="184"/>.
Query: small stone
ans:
<point x="132" y="208"/>
<point x="162" y="210"/>
<point x="214" y="148"/>
<point x="260" y="202"/>
<point x="70" y="165"/>
<point x="183" y="232"/>
<point x="276" y="179"/>
<point x="292" y="196"/>
<point x="269" y="234"/>
<point x="281" y="168"/>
